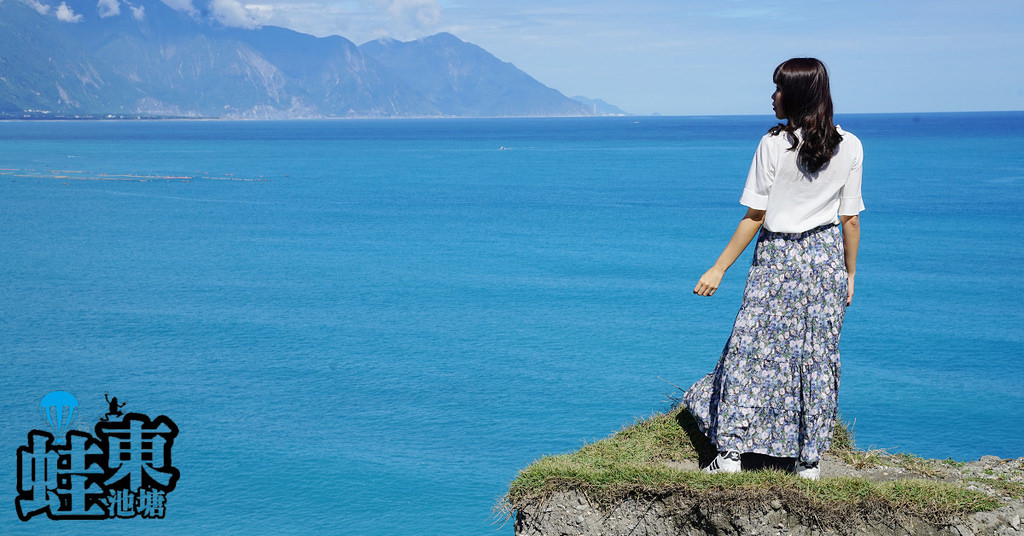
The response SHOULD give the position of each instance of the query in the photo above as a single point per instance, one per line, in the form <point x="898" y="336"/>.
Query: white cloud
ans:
<point x="265" y="9"/>
<point x="66" y="14"/>
<point x="263" y="14"/>
<point x="181" y="5"/>
<point x="108" y="8"/>
<point x="402" y="18"/>
<point x="307" y="16"/>
<point x="420" y="13"/>
<point x="139" y="12"/>
<point x="358" y="20"/>
<point x="41" y="8"/>
<point x="233" y="13"/>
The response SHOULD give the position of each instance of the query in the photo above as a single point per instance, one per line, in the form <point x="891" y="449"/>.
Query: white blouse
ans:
<point x="795" y="201"/>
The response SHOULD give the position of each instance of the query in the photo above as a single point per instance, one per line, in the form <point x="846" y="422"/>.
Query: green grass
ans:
<point x="1014" y="490"/>
<point x="632" y="463"/>
<point x="918" y="464"/>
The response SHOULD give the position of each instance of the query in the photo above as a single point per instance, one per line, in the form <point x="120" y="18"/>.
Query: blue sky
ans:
<point x="711" y="57"/>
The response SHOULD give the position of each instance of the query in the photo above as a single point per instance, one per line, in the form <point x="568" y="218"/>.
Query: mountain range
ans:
<point x="142" y="57"/>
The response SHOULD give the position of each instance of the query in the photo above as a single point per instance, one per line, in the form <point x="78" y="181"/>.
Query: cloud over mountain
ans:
<point x="233" y="14"/>
<point x="66" y="14"/>
<point x="108" y="8"/>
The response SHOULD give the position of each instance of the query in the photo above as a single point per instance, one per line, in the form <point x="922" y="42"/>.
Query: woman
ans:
<point x="774" y="389"/>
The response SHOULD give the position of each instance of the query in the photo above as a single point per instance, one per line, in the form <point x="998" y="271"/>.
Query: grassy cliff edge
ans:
<point x="656" y="459"/>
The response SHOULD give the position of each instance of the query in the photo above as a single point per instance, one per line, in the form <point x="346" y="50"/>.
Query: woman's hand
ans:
<point x="709" y="282"/>
<point x="745" y="232"/>
<point x="851" y="241"/>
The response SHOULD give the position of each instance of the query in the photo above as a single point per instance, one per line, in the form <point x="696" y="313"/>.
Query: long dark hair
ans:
<point x="807" y="103"/>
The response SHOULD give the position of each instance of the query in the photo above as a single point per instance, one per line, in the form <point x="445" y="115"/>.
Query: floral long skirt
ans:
<point x="774" y="390"/>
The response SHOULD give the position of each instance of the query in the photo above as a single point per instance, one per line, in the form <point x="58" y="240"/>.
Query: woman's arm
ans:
<point x="851" y="241"/>
<point x="745" y="232"/>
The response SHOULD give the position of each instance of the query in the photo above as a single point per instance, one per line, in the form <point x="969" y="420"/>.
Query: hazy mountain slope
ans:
<point x="464" y="79"/>
<point x="44" y="68"/>
<point x="145" y="57"/>
<point x="336" y="74"/>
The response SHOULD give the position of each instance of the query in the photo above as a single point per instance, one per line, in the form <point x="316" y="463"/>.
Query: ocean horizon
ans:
<point x="369" y="326"/>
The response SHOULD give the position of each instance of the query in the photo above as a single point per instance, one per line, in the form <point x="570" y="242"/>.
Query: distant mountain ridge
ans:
<point x="599" y="106"/>
<point x="150" y="59"/>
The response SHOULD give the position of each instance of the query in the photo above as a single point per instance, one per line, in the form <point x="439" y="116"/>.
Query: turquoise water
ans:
<point x="367" y="327"/>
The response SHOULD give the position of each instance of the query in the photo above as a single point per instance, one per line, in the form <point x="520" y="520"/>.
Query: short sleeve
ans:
<point x="850" y="201"/>
<point x="760" y="177"/>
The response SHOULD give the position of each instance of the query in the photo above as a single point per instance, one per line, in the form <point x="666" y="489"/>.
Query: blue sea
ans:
<point x="368" y="327"/>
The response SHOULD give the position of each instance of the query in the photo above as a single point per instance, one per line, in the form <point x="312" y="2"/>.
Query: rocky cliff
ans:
<point x="646" y="480"/>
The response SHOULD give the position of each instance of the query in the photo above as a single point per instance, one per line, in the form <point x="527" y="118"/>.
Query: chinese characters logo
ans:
<point x="124" y="471"/>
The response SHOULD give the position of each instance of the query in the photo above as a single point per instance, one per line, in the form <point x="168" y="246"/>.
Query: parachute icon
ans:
<point x="58" y="409"/>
